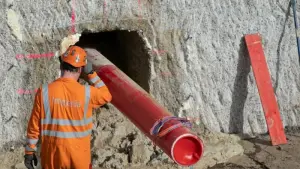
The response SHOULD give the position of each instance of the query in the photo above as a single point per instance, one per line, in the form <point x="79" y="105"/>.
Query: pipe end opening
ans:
<point x="187" y="150"/>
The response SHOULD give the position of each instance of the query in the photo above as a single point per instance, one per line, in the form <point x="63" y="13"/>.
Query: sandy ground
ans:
<point x="256" y="153"/>
<point x="259" y="154"/>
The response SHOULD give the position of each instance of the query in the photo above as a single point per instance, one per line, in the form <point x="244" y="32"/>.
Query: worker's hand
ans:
<point x="88" y="68"/>
<point x="29" y="159"/>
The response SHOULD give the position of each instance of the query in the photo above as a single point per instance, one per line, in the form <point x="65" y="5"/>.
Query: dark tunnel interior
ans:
<point x="124" y="49"/>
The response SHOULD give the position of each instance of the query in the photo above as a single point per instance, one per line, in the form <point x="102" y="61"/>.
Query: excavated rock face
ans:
<point x="189" y="54"/>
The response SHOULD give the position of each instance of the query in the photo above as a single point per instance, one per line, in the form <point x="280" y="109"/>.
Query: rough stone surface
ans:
<point x="198" y="66"/>
<point x="260" y="154"/>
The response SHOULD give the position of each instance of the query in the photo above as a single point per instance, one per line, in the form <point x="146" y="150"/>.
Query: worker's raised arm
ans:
<point x="33" y="128"/>
<point x="100" y="94"/>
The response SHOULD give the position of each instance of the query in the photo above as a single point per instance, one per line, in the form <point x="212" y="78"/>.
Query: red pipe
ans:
<point x="181" y="145"/>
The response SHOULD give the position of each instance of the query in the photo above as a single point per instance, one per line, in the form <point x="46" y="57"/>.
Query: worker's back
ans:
<point x="69" y="119"/>
<point x="62" y="115"/>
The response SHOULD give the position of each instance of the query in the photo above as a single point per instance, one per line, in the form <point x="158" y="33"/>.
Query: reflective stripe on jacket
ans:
<point x="61" y="119"/>
<point x="67" y="128"/>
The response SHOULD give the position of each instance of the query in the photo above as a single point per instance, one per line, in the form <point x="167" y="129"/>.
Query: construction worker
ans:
<point x="61" y="118"/>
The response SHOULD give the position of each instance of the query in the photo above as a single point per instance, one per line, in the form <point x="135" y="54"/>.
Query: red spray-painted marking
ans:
<point x="73" y="17"/>
<point x="167" y="74"/>
<point x="146" y="3"/>
<point x="35" y="56"/>
<point x="23" y="91"/>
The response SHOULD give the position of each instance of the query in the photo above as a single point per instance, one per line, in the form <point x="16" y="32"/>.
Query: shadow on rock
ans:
<point x="240" y="91"/>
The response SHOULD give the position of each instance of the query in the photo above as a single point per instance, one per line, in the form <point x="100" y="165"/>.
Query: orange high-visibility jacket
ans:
<point x="62" y="119"/>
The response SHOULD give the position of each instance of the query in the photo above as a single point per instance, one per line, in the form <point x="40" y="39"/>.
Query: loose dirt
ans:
<point x="259" y="154"/>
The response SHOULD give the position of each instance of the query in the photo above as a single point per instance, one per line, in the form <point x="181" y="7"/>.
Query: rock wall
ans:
<point x="211" y="76"/>
<point x="198" y="62"/>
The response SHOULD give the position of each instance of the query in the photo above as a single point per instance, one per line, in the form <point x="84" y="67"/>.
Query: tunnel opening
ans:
<point x="125" y="49"/>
